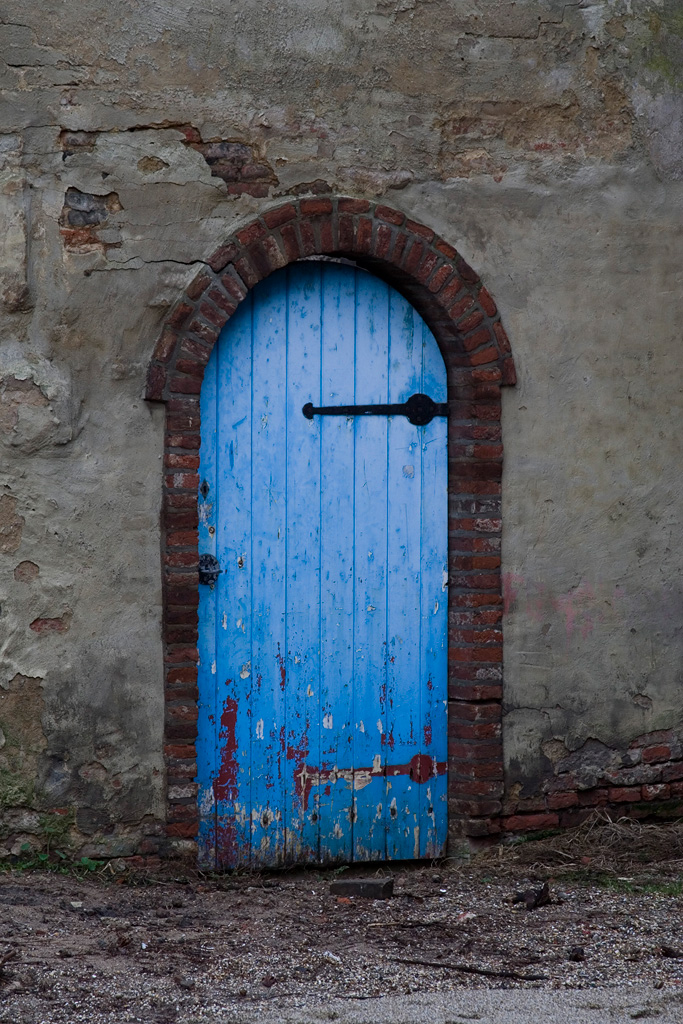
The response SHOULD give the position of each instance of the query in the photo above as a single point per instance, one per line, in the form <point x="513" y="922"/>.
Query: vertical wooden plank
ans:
<point x="335" y="782"/>
<point x="403" y="586"/>
<point x="303" y="564"/>
<point x="434" y="607"/>
<point x="207" y="731"/>
<point x="269" y="485"/>
<point x="370" y="554"/>
<point x="233" y="532"/>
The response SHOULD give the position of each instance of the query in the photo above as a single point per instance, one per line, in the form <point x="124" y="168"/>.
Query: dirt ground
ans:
<point x="172" y="949"/>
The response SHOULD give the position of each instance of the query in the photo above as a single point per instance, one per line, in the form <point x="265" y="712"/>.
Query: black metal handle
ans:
<point x="419" y="410"/>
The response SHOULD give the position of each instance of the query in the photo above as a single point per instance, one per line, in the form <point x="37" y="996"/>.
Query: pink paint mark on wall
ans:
<point x="583" y="608"/>
<point x="511" y="585"/>
<point x="580" y="609"/>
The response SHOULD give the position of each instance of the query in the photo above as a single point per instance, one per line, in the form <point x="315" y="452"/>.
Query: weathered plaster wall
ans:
<point x="543" y="139"/>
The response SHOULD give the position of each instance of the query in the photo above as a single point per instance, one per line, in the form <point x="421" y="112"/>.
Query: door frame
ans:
<point x="465" y="321"/>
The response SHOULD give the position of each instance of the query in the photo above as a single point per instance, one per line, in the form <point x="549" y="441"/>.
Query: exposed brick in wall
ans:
<point x="644" y="780"/>
<point x="83" y="214"/>
<point x="466" y="323"/>
<point x="236" y="163"/>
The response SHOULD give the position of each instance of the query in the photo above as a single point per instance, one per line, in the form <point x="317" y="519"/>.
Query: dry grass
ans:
<point x="600" y="844"/>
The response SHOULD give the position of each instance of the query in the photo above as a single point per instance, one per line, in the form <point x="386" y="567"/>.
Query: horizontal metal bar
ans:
<point x="419" y="410"/>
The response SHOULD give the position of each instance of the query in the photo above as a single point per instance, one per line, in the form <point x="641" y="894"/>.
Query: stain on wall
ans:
<point x="22" y="744"/>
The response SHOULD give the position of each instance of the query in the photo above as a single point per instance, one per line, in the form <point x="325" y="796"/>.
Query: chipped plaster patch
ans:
<point x="35" y="401"/>
<point x="11" y="525"/>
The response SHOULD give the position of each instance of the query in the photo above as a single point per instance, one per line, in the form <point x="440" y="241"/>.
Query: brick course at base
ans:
<point x="643" y="781"/>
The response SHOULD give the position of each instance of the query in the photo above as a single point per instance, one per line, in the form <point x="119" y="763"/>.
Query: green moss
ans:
<point x="602" y="880"/>
<point x="661" y="810"/>
<point x="663" y="66"/>
<point x="663" y="46"/>
<point x="15" y="791"/>
<point x="674" y="22"/>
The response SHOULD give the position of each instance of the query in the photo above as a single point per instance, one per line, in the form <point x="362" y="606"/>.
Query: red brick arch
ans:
<point x="465" y="321"/>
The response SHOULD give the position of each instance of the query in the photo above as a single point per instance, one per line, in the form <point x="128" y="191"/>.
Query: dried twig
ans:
<point x="470" y="969"/>
<point x="440" y="923"/>
<point x="5" y="959"/>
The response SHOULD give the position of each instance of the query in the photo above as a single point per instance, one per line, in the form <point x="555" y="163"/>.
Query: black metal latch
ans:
<point x="419" y="409"/>
<point x="209" y="570"/>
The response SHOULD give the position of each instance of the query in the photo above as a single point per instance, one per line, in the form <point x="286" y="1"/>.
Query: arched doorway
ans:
<point x="466" y="324"/>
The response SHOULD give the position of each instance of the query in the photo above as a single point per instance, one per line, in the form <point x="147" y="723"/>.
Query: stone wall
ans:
<point x="543" y="141"/>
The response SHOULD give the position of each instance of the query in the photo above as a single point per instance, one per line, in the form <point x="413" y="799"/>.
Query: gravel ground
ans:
<point x="282" y="947"/>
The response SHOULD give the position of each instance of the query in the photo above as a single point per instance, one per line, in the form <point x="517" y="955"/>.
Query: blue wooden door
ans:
<point x="322" y="678"/>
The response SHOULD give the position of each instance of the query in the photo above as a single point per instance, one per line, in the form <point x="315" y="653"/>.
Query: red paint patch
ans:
<point x="302" y="782"/>
<point x="283" y="670"/>
<point x="420" y="769"/>
<point x="280" y="752"/>
<point x="428" y="734"/>
<point x="225" y="785"/>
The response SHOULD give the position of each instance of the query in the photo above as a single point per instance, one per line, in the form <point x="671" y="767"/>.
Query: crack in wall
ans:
<point x="492" y="34"/>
